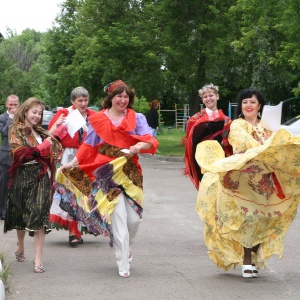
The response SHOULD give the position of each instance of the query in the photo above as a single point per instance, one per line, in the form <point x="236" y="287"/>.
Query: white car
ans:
<point x="293" y="125"/>
<point x="47" y="116"/>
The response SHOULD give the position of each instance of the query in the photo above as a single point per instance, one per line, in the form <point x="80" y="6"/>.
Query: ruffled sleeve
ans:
<point x="240" y="137"/>
<point x="142" y="126"/>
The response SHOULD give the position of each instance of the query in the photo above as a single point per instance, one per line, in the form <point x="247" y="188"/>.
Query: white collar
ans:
<point x="209" y="111"/>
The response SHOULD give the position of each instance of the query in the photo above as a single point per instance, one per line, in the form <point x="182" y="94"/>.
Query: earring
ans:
<point x="241" y="115"/>
<point x="259" y="114"/>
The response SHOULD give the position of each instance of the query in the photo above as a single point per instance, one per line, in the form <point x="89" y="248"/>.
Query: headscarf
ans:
<point x="111" y="86"/>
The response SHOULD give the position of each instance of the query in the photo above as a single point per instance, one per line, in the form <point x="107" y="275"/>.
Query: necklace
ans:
<point x="116" y="116"/>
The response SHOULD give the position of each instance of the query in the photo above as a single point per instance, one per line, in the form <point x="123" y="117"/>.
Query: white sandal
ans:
<point x="254" y="271"/>
<point x="247" y="268"/>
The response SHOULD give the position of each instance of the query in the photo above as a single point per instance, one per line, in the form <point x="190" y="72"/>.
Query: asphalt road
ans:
<point x="169" y="256"/>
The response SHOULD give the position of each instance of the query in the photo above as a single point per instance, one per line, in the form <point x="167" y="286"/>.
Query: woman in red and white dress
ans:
<point x="63" y="209"/>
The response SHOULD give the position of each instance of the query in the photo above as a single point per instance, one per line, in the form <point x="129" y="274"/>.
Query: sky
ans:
<point x="19" y="15"/>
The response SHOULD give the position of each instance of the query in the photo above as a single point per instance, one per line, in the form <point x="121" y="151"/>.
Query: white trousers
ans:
<point x="125" y="223"/>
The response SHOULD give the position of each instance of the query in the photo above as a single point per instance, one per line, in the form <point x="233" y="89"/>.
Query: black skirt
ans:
<point x="28" y="200"/>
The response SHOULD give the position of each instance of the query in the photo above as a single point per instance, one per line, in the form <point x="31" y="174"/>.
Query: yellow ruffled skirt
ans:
<point x="248" y="199"/>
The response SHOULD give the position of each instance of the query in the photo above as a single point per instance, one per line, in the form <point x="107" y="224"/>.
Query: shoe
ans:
<point x="124" y="274"/>
<point x="80" y="241"/>
<point x="39" y="269"/>
<point x="73" y="240"/>
<point x="254" y="271"/>
<point x="247" y="268"/>
<point x="19" y="256"/>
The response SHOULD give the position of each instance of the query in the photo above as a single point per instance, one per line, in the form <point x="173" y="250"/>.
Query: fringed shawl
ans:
<point x="203" y="127"/>
<point x="23" y="150"/>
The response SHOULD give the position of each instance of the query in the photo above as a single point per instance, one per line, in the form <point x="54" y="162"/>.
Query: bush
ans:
<point x="141" y="105"/>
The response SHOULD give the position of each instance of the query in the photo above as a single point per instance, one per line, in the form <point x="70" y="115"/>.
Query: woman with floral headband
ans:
<point x="105" y="174"/>
<point x="248" y="201"/>
<point x="209" y="123"/>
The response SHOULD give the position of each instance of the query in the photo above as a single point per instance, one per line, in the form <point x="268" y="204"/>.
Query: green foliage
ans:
<point x="24" y="67"/>
<point x="258" y="47"/>
<point x="164" y="49"/>
<point x="2" y="109"/>
<point x="141" y="105"/>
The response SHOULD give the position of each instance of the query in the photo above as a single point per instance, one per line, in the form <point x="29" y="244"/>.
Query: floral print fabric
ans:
<point x="250" y="197"/>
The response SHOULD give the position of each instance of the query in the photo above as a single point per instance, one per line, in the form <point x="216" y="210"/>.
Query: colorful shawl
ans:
<point x="105" y="171"/>
<point x="23" y="149"/>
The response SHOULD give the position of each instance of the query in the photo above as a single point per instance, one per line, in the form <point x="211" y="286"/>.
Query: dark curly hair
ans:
<point x="248" y="93"/>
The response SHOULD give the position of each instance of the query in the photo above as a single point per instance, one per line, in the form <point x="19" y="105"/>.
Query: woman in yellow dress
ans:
<point x="248" y="200"/>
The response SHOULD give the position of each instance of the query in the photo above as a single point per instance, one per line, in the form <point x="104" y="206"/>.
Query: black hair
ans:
<point x="248" y="93"/>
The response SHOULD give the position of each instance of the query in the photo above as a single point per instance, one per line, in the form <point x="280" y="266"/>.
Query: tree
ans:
<point x="165" y="49"/>
<point x="19" y="53"/>
<point x="258" y="45"/>
<point x="60" y="50"/>
<point x="195" y="40"/>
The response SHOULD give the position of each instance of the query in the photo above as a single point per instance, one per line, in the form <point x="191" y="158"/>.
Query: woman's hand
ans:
<point x="69" y="165"/>
<point x="60" y="120"/>
<point x="135" y="149"/>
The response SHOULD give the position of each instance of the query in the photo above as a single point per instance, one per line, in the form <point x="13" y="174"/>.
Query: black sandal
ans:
<point x="80" y="241"/>
<point x="73" y="240"/>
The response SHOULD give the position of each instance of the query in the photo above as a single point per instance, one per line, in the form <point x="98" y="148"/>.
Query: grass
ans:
<point x="5" y="272"/>
<point x="169" y="142"/>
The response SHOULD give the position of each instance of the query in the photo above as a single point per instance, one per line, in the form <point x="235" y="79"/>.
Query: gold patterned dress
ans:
<point x="31" y="180"/>
<point x="251" y="197"/>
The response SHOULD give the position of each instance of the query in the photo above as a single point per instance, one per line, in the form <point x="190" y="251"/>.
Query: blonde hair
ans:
<point x="207" y="87"/>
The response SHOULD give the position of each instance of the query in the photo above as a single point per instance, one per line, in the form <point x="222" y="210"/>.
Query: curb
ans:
<point x="2" y="289"/>
<point x="162" y="158"/>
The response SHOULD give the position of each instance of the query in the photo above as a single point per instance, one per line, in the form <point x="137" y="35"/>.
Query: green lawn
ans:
<point x="169" y="142"/>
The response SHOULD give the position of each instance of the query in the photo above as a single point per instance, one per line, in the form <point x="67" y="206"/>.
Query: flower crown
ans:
<point x="208" y="87"/>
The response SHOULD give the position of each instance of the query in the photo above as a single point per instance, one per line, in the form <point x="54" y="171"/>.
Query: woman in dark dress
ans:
<point x="152" y="117"/>
<point x="33" y="151"/>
